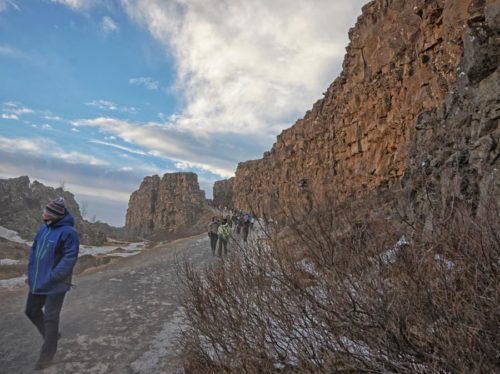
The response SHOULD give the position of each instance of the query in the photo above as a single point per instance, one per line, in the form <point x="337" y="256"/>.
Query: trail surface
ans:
<point x="120" y="319"/>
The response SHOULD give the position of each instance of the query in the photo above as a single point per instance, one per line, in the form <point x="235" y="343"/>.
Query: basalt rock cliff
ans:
<point x="414" y="113"/>
<point x="223" y="193"/>
<point x="167" y="207"/>
<point x="22" y="204"/>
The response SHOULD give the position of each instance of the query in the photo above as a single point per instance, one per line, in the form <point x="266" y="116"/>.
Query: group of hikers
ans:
<point x="221" y="229"/>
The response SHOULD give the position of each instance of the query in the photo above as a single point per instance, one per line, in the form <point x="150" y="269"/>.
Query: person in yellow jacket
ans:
<point x="224" y="233"/>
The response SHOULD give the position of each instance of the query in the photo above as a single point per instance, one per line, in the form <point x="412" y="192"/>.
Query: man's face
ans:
<point x="45" y="216"/>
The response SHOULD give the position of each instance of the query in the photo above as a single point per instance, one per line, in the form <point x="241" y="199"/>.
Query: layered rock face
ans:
<point x="22" y="203"/>
<point x="223" y="193"/>
<point x="170" y="204"/>
<point x="364" y="135"/>
<point x="455" y="153"/>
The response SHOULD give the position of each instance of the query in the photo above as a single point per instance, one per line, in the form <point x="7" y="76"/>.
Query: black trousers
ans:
<point x="213" y="241"/>
<point x="222" y="243"/>
<point x="46" y="321"/>
<point x="245" y="232"/>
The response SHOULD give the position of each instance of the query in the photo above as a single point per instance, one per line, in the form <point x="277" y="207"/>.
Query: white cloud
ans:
<point x="168" y="141"/>
<point x="52" y="118"/>
<point x="102" y="104"/>
<point x="108" y="25"/>
<point x="111" y="106"/>
<point x="47" y="148"/>
<point x="74" y="129"/>
<point x="147" y="82"/>
<point x="16" y="109"/>
<point x="21" y="144"/>
<point x="79" y="158"/>
<point x="76" y="4"/>
<point x="249" y="66"/>
<point x="9" y="116"/>
<point x="45" y="126"/>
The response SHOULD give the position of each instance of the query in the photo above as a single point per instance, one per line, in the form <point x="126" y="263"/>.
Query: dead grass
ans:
<point x="339" y="294"/>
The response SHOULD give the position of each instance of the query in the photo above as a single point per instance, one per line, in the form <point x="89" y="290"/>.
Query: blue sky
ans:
<point x="100" y="94"/>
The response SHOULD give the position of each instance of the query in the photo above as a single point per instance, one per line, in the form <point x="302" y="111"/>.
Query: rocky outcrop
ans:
<point x="164" y="206"/>
<point x="22" y="203"/>
<point x="223" y="193"/>
<point x="366" y="135"/>
<point x="454" y="155"/>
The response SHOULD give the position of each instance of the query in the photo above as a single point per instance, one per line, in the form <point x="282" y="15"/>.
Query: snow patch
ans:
<point x="152" y="361"/>
<point x="8" y="261"/>
<point x="389" y="257"/>
<point x="13" y="282"/>
<point x="11" y="235"/>
<point x="129" y="250"/>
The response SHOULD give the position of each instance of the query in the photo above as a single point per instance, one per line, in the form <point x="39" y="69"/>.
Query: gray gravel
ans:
<point x="120" y="319"/>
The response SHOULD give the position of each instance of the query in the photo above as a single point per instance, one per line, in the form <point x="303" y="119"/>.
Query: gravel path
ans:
<point x="117" y="320"/>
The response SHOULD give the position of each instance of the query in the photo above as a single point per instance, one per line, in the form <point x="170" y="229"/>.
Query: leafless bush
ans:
<point x="339" y="294"/>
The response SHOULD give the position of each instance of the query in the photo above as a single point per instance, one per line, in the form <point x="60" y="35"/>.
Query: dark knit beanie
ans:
<point x="55" y="209"/>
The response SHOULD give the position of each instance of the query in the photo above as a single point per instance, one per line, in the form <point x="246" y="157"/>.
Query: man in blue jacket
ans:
<point x="53" y="255"/>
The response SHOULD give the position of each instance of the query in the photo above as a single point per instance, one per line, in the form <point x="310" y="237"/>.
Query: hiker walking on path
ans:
<point x="246" y="226"/>
<point x="224" y="233"/>
<point x="213" y="226"/>
<point x="53" y="255"/>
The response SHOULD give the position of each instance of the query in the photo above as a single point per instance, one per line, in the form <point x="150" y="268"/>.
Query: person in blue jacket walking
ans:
<point x="53" y="255"/>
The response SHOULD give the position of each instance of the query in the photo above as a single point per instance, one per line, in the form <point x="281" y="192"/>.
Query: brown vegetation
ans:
<point x="347" y="295"/>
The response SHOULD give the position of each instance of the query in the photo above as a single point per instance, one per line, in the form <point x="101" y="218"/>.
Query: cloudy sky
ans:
<point x="98" y="94"/>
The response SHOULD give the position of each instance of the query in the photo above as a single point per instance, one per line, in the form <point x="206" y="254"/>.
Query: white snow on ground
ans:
<point x="13" y="282"/>
<point x="389" y="256"/>
<point x="153" y="360"/>
<point x="8" y="261"/>
<point x="11" y="235"/>
<point x="129" y="250"/>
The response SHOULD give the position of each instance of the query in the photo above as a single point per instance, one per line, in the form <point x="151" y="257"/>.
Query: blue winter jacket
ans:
<point x="53" y="255"/>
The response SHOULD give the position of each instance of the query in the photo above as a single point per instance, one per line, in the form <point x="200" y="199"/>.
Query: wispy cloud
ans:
<point x="249" y="66"/>
<point x="52" y="118"/>
<point x="9" y="116"/>
<point x="48" y="148"/>
<point x="17" y="109"/>
<point x="120" y="147"/>
<point x="147" y="82"/>
<point x="111" y="106"/>
<point x="45" y="126"/>
<point x="108" y="25"/>
<point x="168" y="141"/>
<point x="5" y="4"/>
<point x="76" y="4"/>
<point x="79" y="158"/>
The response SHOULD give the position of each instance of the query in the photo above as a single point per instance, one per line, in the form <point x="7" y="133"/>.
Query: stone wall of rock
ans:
<point x="223" y="193"/>
<point x="401" y="62"/>
<point x="170" y="204"/>
<point x="22" y="203"/>
<point x="454" y="155"/>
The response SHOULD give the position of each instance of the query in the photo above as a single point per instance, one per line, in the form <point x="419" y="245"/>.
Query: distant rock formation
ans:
<point x="22" y="203"/>
<point x="223" y="193"/>
<point x="418" y="97"/>
<point x="166" y="206"/>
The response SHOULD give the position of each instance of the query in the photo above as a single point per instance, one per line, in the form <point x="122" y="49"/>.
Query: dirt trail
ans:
<point x="118" y="320"/>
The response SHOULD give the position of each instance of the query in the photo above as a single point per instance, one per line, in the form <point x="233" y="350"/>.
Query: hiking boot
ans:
<point x="42" y="364"/>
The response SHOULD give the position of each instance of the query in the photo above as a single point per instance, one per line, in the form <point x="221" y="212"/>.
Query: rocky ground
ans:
<point x="120" y="319"/>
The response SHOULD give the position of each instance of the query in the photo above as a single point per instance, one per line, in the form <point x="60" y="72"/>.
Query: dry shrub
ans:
<point x="336" y="294"/>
